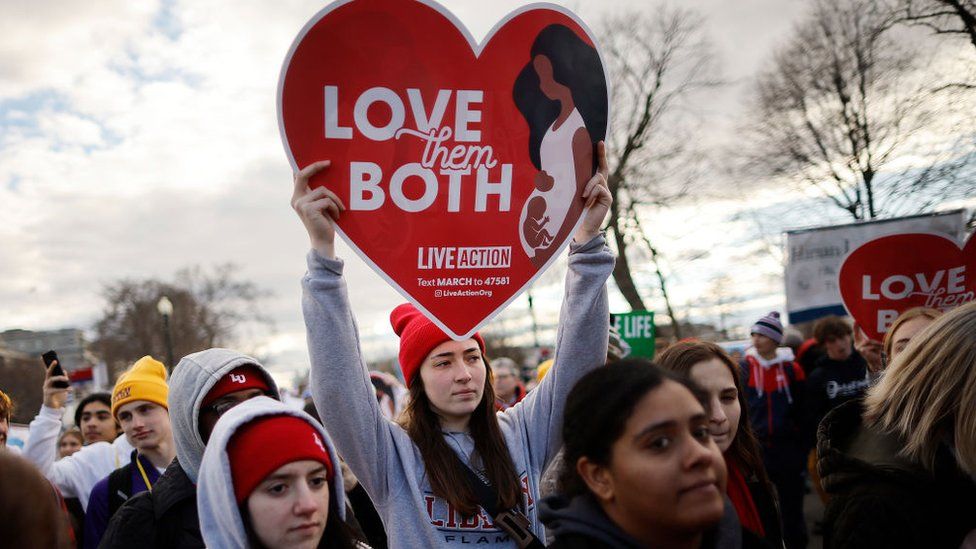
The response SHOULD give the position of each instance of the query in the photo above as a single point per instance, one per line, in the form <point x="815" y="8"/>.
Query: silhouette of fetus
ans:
<point x="533" y="228"/>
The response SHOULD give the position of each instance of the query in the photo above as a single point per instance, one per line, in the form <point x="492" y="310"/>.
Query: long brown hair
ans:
<point x="29" y="505"/>
<point x="447" y="480"/>
<point x="681" y="358"/>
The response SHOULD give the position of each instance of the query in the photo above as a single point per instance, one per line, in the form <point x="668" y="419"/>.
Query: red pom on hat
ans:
<point x="260" y="447"/>
<point x="418" y="337"/>
<point x="238" y="379"/>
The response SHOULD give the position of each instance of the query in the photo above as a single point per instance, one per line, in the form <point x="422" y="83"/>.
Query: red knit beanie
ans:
<point x="238" y="379"/>
<point x="260" y="447"/>
<point x="418" y="337"/>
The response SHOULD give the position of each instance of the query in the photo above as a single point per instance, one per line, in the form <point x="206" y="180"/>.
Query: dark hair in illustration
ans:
<point x="576" y="65"/>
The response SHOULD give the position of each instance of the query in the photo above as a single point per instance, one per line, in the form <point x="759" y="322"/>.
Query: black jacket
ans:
<point x="832" y="383"/>
<point x="880" y="499"/>
<point x="768" y="507"/>
<point x="164" y="518"/>
<point x="581" y="523"/>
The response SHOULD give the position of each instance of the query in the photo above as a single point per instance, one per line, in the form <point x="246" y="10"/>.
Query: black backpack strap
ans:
<point x="511" y="521"/>
<point x="119" y="488"/>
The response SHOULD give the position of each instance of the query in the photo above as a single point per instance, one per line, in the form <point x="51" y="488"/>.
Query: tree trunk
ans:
<point x="621" y="269"/>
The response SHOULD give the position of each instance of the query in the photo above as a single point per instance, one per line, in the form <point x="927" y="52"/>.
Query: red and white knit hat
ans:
<point x="260" y="447"/>
<point x="418" y="337"/>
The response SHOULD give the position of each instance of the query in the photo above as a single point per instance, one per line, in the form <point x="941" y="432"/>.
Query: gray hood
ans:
<point x="220" y="520"/>
<point x="192" y="379"/>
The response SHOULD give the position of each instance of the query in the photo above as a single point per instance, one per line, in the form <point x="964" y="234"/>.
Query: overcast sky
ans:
<point x="137" y="138"/>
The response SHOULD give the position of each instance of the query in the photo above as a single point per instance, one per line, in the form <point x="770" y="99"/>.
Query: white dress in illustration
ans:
<point x="555" y="189"/>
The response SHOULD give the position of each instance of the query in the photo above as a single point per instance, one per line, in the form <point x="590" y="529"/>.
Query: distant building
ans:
<point x="21" y="377"/>
<point x="69" y="343"/>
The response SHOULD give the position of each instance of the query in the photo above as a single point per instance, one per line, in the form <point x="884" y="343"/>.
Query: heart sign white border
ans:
<point x="517" y="115"/>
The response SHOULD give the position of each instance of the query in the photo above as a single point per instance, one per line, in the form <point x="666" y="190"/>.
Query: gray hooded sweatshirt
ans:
<point x="192" y="379"/>
<point x="220" y="523"/>
<point x="381" y="453"/>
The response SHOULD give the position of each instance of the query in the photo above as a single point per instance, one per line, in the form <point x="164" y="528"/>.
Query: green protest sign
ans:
<point x="637" y="329"/>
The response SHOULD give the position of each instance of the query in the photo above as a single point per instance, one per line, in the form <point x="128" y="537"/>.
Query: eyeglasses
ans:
<point x="223" y="405"/>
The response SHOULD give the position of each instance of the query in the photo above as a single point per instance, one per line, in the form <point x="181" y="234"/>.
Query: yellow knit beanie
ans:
<point x="542" y="370"/>
<point x="145" y="380"/>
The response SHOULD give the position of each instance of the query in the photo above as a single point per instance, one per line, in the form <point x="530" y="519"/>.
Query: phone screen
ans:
<point x="49" y="358"/>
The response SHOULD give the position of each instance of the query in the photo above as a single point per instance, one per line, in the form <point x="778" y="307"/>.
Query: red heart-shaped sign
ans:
<point x="889" y="275"/>
<point x="461" y="164"/>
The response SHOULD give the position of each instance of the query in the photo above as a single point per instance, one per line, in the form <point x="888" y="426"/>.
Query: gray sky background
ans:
<point x="137" y="138"/>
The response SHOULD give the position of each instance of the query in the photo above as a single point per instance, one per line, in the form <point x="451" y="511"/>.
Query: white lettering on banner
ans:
<point x="332" y="128"/>
<point x="461" y="156"/>
<point x="366" y="194"/>
<point x="943" y="289"/>
<point x="367" y="191"/>
<point x="464" y="113"/>
<point x="635" y="327"/>
<point x="488" y="257"/>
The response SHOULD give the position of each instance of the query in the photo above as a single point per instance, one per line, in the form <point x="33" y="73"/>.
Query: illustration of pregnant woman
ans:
<point x="562" y="93"/>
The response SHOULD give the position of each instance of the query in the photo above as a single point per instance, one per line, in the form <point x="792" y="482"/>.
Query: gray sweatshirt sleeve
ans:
<point x="343" y="394"/>
<point x="581" y="346"/>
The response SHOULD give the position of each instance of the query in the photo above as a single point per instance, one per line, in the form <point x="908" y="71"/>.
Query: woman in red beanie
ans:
<point x="454" y="471"/>
<point x="282" y="481"/>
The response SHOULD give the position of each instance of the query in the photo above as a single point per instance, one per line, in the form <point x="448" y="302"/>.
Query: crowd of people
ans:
<point x="694" y="450"/>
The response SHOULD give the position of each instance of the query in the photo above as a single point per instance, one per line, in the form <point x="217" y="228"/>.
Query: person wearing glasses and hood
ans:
<point x="277" y="468"/>
<point x="203" y="386"/>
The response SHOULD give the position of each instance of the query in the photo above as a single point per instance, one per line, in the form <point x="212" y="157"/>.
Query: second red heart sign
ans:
<point x="889" y="275"/>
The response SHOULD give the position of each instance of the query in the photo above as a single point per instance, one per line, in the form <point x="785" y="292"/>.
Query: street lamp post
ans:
<point x="165" y="308"/>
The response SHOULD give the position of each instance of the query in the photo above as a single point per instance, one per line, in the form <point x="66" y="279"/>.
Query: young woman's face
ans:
<point x="666" y="475"/>
<point x="69" y="444"/>
<point x="905" y="333"/>
<point x="715" y="378"/>
<point x="454" y="378"/>
<point x="291" y="506"/>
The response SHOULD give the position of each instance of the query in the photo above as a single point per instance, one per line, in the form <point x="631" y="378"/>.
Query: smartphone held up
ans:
<point x="51" y="357"/>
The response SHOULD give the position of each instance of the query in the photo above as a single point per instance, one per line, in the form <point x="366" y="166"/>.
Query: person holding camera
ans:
<point x="74" y="475"/>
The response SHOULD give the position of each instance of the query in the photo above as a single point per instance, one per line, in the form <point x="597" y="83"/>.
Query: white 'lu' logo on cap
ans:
<point x="318" y="441"/>
<point x="238" y="378"/>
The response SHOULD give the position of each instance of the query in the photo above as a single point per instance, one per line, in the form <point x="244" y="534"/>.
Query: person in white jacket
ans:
<point x="74" y="475"/>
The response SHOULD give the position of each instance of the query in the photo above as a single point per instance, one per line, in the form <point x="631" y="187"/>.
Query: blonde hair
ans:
<point x="929" y="391"/>
<point x="914" y="312"/>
